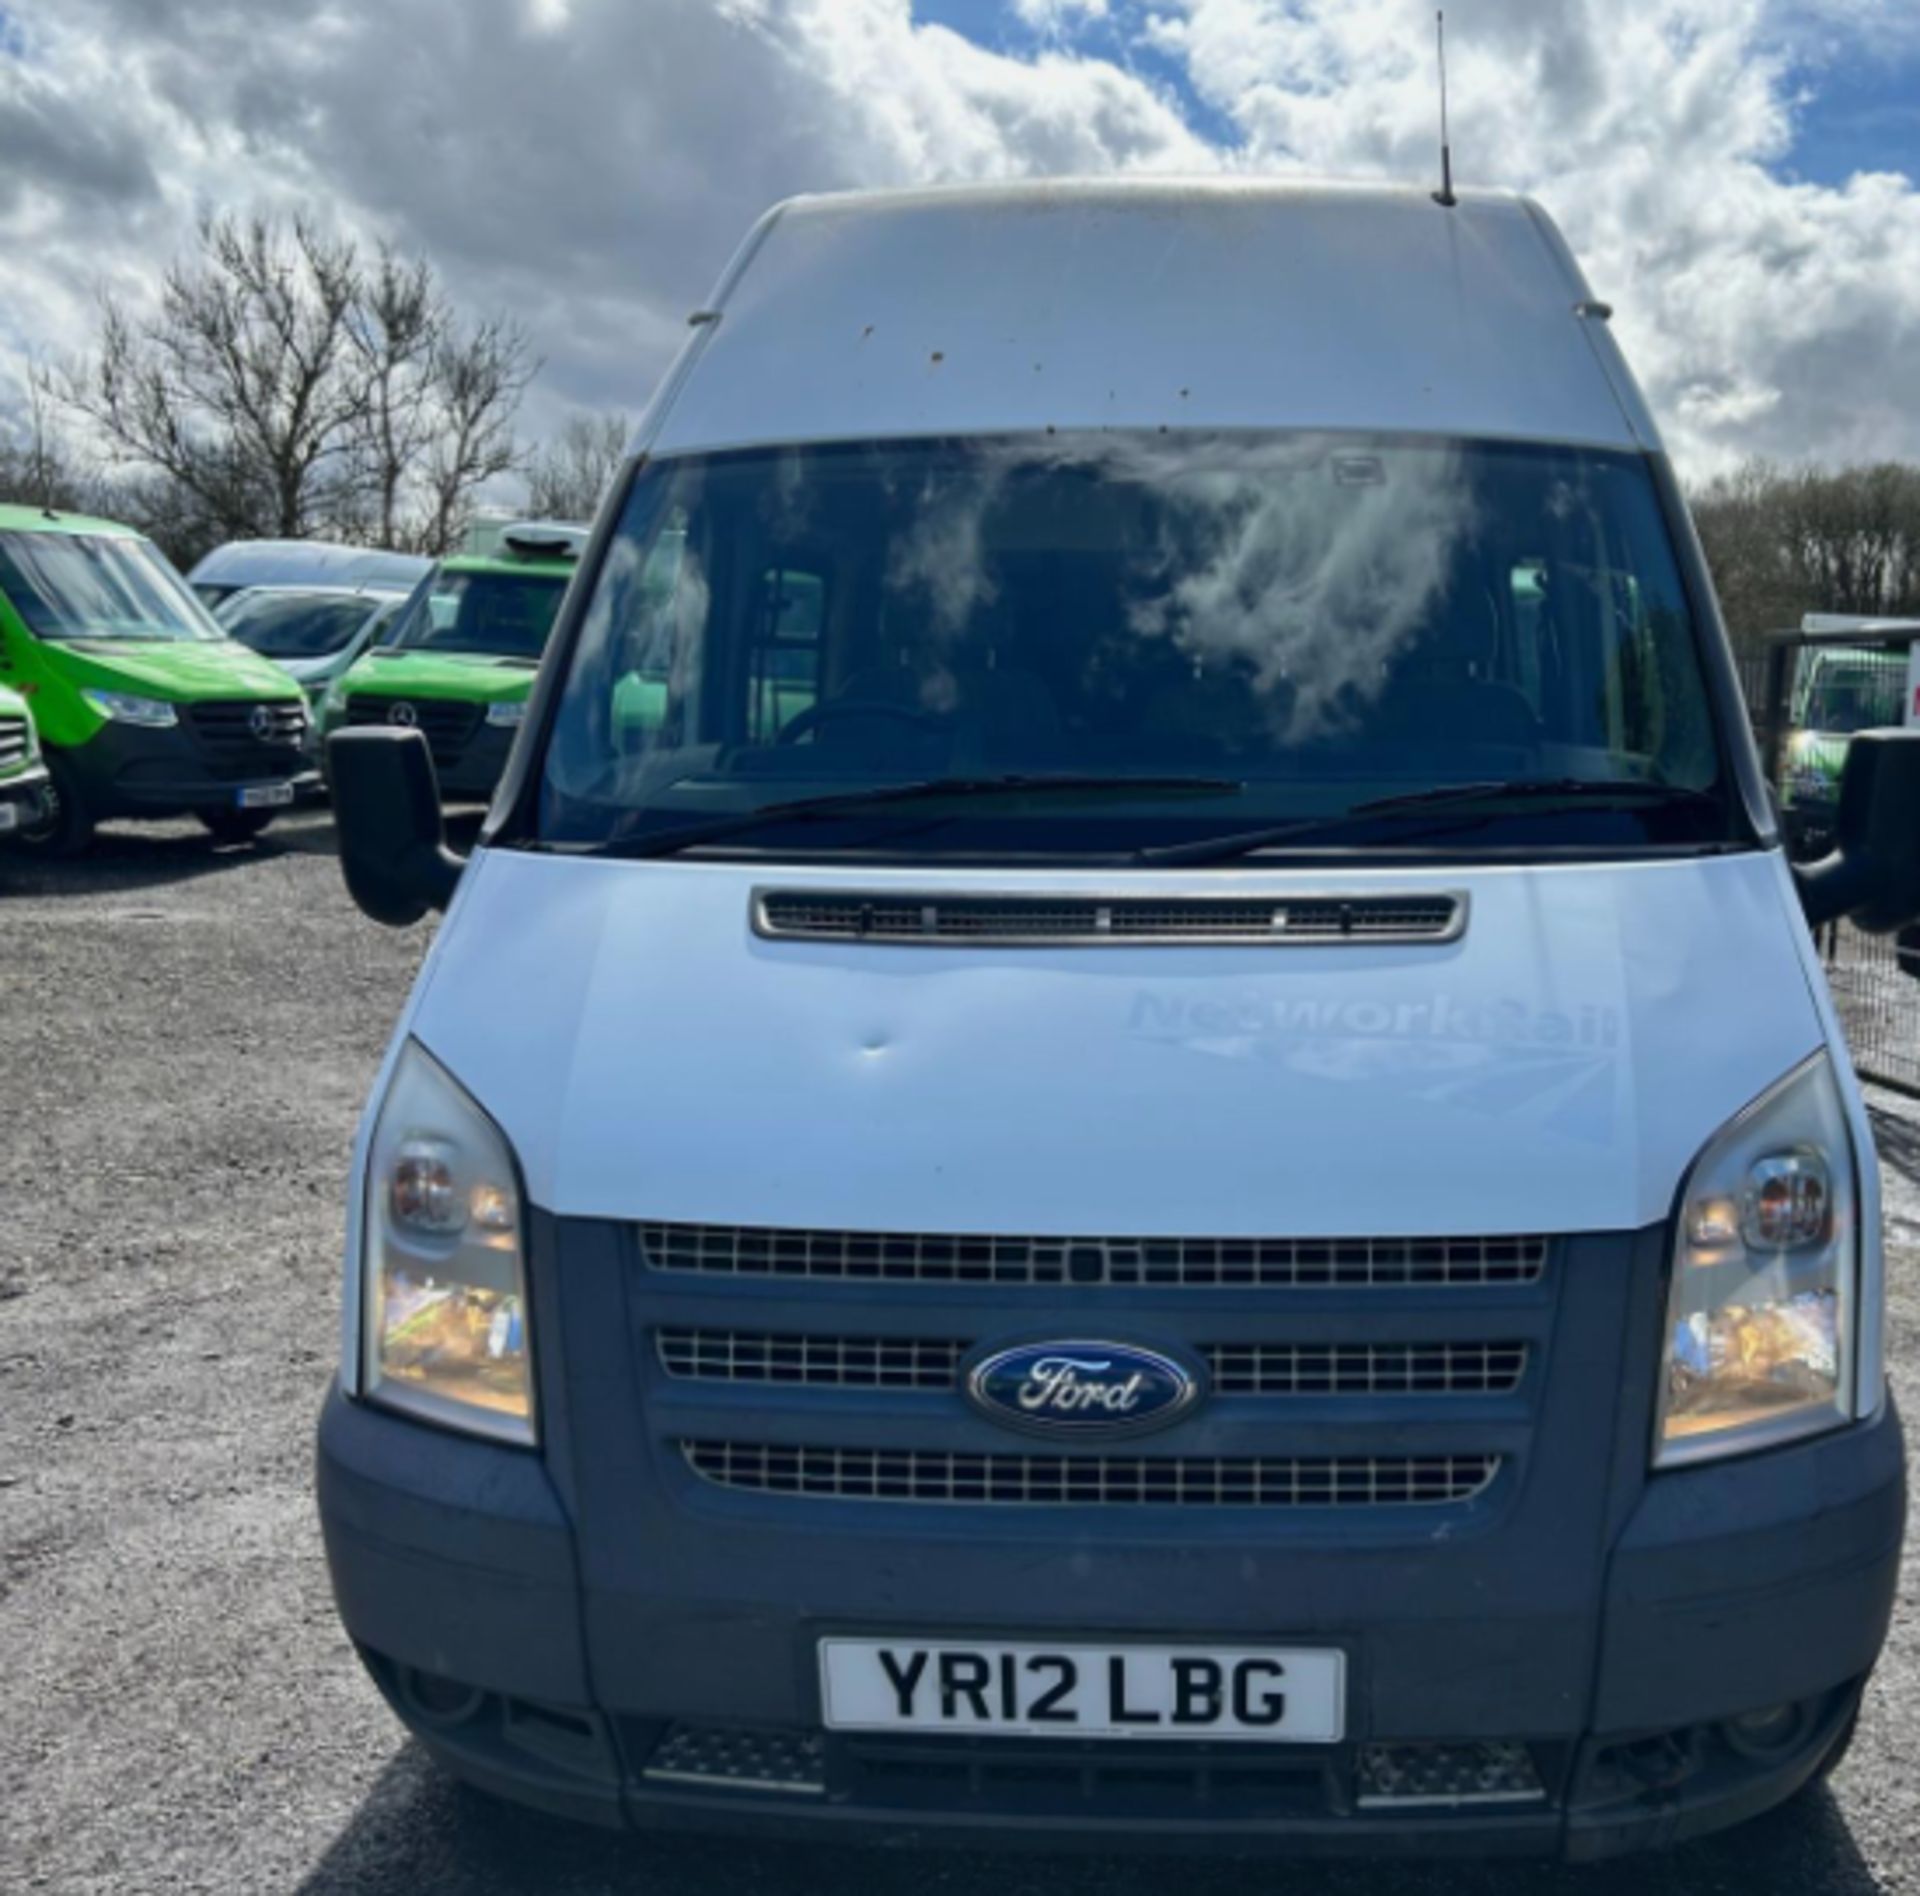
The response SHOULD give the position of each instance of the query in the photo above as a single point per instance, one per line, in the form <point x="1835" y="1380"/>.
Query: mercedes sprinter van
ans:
<point x="458" y="660"/>
<point x="23" y="776"/>
<point x="144" y="706"/>
<point x="1153" y="1152"/>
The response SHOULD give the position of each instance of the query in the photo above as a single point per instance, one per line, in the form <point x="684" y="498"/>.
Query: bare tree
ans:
<point x="39" y="464"/>
<point x="396" y="330"/>
<point x="1748" y="556"/>
<point x="1785" y="542"/>
<point x="285" y="386"/>
<point x="570" y="474"/>
<point x="479" y="376"/>
<point x="39" y="467"/>
<point x="233" y="388"/>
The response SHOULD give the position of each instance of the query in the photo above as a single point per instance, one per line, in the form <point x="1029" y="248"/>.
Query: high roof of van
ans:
<point x="287" y="562"/>
<point x="27" y="519"/>
<point x="510" y="537"/>
<point x="525" y="546"/>
<point x="1149" y="304"/>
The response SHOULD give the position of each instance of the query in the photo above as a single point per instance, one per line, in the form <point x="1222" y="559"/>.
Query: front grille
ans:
<point x="1238" y="1369"/>
<point x="844" y="1362"/>
<point x="739" y="1758"/>
<point x="1367" y="1369"/>
<point x="449" y="726"/>
<point x="957" y="1771"/>
<point x="248" y="737"/>
<point x="1447" y="1776"/>
<point x="1183" y="1263"/>
<point x="1138" y="1778"/>
<point x="857" y="915"/>
<point x="13" y="743"/>
<point x="1015" y="1480"/>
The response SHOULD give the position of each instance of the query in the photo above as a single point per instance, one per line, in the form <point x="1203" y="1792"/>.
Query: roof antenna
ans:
<point x="1445" y="193"/>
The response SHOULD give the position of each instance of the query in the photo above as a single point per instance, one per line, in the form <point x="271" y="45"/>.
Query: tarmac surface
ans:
<point x="186" y="1035"/>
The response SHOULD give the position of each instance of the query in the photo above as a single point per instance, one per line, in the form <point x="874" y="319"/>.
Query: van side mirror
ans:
<point x="386" y="807"/>
<point x="1873" y="874"/>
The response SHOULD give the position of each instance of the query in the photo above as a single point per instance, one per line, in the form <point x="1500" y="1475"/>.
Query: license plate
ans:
<point x="263" y="796"/>
<point x="1276" y="1695"/>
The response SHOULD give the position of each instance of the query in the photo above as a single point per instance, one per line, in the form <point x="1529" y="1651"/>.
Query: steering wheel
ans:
<point x="827" y="710"/>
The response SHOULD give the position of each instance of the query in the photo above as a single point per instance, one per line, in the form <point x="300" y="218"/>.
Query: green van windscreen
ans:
<point x="98" y="586"/>
<point x="487" y="615"/>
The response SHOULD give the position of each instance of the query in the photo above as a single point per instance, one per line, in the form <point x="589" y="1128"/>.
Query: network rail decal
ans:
<point x="1561" y="1065"/>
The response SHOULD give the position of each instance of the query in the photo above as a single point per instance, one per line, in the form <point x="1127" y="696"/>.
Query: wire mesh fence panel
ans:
<point x="1879" y="1005"/>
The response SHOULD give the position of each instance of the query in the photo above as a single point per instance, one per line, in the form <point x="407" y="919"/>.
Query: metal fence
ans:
<point x="1879" y="1005"/>
<point x="1806" y="695"/>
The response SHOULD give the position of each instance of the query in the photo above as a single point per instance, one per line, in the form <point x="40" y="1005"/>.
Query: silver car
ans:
<point x="314" y="632"/>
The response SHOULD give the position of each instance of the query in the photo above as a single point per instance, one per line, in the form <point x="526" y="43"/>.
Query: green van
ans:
<point x="23" y="776"/>
<point x="459" y="661"/>
<point x="144" y="707"/>
<point x="1838" y="691"/>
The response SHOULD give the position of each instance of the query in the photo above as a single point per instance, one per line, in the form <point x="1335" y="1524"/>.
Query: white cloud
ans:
<point x="589" y="164"/>
<point x="1762" y="315"/>
<point x="1056" y="16"/>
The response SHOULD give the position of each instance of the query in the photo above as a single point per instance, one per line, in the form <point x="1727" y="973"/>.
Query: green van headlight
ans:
<point x="443" y="1292"/>
<point x="124" y="708"/>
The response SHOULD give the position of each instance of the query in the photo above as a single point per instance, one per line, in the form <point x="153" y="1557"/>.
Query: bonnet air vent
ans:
<point x="1103" y="921"/>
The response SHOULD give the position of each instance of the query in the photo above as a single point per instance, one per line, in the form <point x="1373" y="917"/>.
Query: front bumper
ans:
<point x="131" y="770"/>
<point x="554" y="1626"/>
<point x="467" y="763"/>
<point x="21" y="798"/>
<point x="474" y="775"/>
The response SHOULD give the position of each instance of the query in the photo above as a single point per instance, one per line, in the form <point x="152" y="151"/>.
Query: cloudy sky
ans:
<point x="1738" y="176"/>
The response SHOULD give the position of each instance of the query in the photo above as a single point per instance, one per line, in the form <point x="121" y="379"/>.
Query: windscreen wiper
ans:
<point x="1487" y="797"/>
<point x="668" y="842"/>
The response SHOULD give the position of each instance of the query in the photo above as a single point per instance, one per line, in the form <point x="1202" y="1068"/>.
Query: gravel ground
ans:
<point x="185" y="1037"/>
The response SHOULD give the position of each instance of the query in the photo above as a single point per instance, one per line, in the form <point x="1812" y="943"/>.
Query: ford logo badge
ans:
<point x="1081" y="1388"/>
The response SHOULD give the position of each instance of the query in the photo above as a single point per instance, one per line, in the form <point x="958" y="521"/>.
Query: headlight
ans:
<point x="124" y="708"/>
<point x="1763" y="1317"/>
<point x="443" y="1302"/>
<point x="508" y="712"/>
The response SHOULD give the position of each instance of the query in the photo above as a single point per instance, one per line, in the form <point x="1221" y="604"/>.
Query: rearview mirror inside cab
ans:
<point x="386" y="806"/>
<point x="1873" y="875"/>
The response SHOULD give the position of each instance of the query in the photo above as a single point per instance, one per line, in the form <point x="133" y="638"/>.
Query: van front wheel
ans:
<point x="1841" y="1746"/>
<point x="65" y="827"/>
<point x="235" y="826"/>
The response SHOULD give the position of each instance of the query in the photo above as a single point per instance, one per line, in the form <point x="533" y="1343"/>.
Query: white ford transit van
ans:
<point x="1126" y="1131"/>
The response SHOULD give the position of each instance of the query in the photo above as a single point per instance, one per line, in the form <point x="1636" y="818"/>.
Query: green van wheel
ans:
<point x="65" y="827"/>
<point x="235" y="826"/>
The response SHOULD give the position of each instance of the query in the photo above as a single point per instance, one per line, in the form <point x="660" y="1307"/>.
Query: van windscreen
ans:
<point x="481" y="614"/>
<point x="1141" y="640"/>
<point x="298" y="625"/>
<point x="97" y="586"/>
